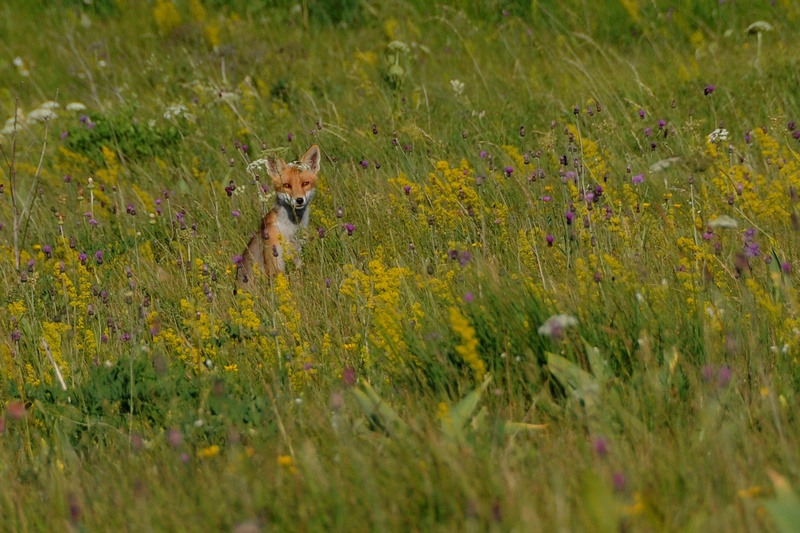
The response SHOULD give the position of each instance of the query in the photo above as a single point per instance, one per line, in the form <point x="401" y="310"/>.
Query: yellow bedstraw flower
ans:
<point x="468" y="349"/>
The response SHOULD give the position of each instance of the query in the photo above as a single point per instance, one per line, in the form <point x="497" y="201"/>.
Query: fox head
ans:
<point x="296" y="182"/>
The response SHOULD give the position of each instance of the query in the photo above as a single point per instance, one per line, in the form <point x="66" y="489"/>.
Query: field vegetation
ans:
<point x="550" y="282"/>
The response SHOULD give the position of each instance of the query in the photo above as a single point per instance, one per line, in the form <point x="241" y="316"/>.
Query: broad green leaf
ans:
<point x="377" y="410"/>
<point x="597" y="362"/>
<point x="461" y="413"/>
<point x="784" y="508"/>
<point x="577" y="381"/>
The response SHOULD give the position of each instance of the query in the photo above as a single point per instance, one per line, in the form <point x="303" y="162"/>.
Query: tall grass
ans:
<point x="549" y="283"/>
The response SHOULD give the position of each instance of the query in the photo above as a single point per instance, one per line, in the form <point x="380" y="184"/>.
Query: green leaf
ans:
<point x="596" y="361"/>
<point x="784" y="508"/>
<point x="577" y="381"/>
<point x="462" y="412"/>
<point x="379" y="413"/>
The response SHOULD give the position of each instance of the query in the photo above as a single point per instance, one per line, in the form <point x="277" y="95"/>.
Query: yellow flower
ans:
<point x="468" y="349"/>
<point x="210" y="451"/>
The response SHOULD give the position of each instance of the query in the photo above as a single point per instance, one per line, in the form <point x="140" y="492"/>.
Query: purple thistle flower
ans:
<point x="648" y="132"/>
<point x="724" y="376"/>
<point x="407" y="190"/>
<point x="661" y="124"/>
<point x="550" y="239"/>
<point x="791" y="125"/>
<point x="638" y="178"/>
<point x="796" y="134"/>
<point x="546" y="198"/>
<point x="483" y="154"/>
<point x="641" y="113"/>
<point x="48" y="250"/>
<point x="16" y="335"/>
<point x="509" y="171"/>
<point x="290" y="137"/>
<point x="82" y="257"/>
<point x="321" y="232"/>
<point x="709" y="89"/>
<point x="64" y="135"/>
<point x="601" y="446"/>
<point x="350" y="228"/>
<point x="98" y="257"/>
<point x="236" y="213"/>
<point x="469" y="297"/>
<point x="364" y="163"/>
<point x="238" y="259"/>
<point x="570" y="217"/>
<point x="786" y="267"/>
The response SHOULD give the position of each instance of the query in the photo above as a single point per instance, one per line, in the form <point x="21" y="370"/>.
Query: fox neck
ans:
<point x="291" y="218"/>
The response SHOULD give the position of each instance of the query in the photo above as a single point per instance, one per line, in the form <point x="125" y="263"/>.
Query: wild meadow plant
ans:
<point x="549" y="283"/>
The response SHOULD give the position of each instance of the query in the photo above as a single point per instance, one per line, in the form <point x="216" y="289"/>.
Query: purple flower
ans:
<point x="483" y="154"/>
<point x="469" y="297"/>
<point x="661" y="124"/>
<point x="126" y="337"/>
<point x="601" y="446"/>
<point x="350" y="228"/>
<point x="509" y="171"/>
<point x="791" y="125"/>
<point x="349" y="376"/>
<point x="290" y="137"/>
<point x="64" y="135"/>
<point x="16" y="335"/>
<point x="321" y="232"/>
<point x="238" y="259"/>
<point x="641" y="113"/>
<point x="709" y="89"/>
<point x="98" y="257"/>
<point x="550" y="239"/>
<point x="48" y="250"/>
<point x="364" y="163"/>
<point x="82" y="258"/>
<point x="724" y="376"/>
<point x="236" y="213"/>
<point x="570" y="217"/>
<point x="407" y="190"/>
<point x="638" y="178"/>
<point x="648" y="132"/>
<point x="786" y="267"/>
<point x="546" y="198"/>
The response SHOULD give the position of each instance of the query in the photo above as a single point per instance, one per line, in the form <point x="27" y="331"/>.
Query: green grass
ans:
<point x="501" y="163"/>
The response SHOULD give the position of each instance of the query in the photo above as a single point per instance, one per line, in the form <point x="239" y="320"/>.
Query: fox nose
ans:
<point x="299" y="201"/>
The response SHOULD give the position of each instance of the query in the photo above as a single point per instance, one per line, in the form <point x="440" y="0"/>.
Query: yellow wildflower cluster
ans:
<point x="166" y="16"/>
<point x="377" y="300"/>
<point x="468" y="349"/>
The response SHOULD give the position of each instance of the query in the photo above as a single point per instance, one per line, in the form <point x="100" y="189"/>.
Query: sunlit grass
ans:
<point x="549" y="282"/>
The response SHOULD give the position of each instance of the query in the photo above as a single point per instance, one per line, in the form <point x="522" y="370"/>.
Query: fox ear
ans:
<point x="275" y="168"/>
<point x="311" y="158"/>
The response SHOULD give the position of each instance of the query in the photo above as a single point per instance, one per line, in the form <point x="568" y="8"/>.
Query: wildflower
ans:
<point x="555" y="325"/>
<point x="364" y="164"/>
<point x="321" y="232"/>
<point x="469" y="297"/>
<point x="458" y="87"/>
<point x="482" y="154"/>
<point x="724" y="376"/>
<point x="601" y="446"/>
<point x="546" y="198"/>
<point x="550" y="239"/>
<point x="468" y="349"/>
<point x="349" y="376"/>
<point x="175" y="437"/>
<point x="724" y="221"/>
<point x="641" y="113"/>
<point x="718" y="135"/>
<point x="570" y="216"/>
<point x="15" y="410"/>
<point x="407" y="190"/>
<point x="350" y="228"/>
<point x="638" y="178"/>
<point x="236" y="213"/>
<point x="98" y="257"/>
<point x="208" y="452"/>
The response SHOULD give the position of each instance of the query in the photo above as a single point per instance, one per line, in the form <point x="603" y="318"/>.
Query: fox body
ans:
<point x="295" y="184"/>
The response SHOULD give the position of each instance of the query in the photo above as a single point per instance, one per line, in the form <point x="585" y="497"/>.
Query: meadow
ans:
<point x="549" y="282"/>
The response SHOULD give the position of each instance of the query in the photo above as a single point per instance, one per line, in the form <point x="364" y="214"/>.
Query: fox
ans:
<point x="295" y="185"/>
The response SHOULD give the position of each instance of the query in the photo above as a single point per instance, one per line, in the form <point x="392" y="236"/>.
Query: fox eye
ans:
<point x="305" y="184"/>
<point x="287" y="185"/>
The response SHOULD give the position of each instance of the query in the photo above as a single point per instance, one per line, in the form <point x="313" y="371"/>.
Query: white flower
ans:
<point x="41" y="115"/>
<point x="724" y="221"/>
<point x="75" y="106"/>
<point x="718" y="135"/>
<point x="18" y="62"/>
<point x="554" y="325"/>
<point x="458" y="87"/>
<point x="101" y="64"/>
<point x="50" y="105"/>
<point x="178" y="110"/>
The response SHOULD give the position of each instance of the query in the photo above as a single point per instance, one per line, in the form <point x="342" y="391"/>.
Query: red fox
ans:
<point x="295" y="184"/>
